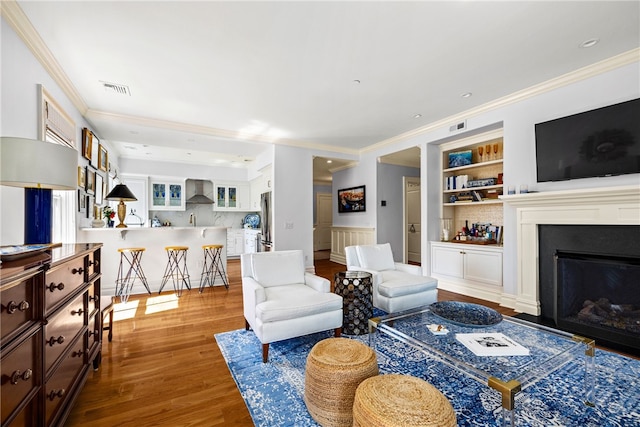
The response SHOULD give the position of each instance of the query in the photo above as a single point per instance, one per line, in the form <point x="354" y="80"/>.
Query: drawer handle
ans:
<point x="96" y="333"/>
<point x="12" y="306"/>
<point x="77" y="270"/>
<point x="15" y="377"/>
<point x="53" y="340"/>
<point x="52" y="287"/>
<point x="95" y="298"/>
<point x="78" y="312"/>
<point x="78" y="353"/>
<point x="91" y="262"/>
<point x="53" y="393"/>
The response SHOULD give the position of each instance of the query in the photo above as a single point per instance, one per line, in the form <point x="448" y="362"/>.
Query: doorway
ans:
<point x="324" y="221"/>
<point x="412" y="226"/>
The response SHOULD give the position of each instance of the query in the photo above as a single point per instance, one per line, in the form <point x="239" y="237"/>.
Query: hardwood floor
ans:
<point x="164" y="368"/>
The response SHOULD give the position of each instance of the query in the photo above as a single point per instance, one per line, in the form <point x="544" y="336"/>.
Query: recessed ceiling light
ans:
<point x="466" y="95"/>
<point x="589" y="43"/>
<point x="417" y="116"/>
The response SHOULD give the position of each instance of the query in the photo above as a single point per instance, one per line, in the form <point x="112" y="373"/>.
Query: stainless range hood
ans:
<point x="199" y="198"/>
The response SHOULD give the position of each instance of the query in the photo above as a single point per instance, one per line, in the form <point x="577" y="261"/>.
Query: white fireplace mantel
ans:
<point x="593" y="206"/>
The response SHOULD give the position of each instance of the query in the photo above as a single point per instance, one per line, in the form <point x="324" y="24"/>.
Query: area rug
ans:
<point x="274" y="391"/>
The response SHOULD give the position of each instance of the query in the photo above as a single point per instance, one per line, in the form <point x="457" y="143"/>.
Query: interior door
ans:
<point x="324" y="221"/>
<point x="412" y="227"/>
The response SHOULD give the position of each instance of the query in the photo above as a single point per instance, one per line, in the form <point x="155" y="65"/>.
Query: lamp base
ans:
<point x="122" y="212"/>
<point x="38" y="211"/>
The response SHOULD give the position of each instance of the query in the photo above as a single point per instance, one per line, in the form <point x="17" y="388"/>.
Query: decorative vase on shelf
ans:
<point x="97" y="223"/>
<point x="110" y="223"/>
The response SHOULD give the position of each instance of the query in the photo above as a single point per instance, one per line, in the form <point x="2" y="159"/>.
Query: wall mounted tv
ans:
<point x="601" y="142"/>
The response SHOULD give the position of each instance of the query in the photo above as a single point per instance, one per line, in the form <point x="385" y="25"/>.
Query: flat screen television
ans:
<point x="601" y="142"/>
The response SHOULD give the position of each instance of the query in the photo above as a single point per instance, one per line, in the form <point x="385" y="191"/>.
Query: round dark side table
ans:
<point x="355" y="287"/>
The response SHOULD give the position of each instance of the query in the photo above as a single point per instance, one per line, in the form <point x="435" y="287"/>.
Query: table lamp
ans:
<point x="122" y="193"/>
<point x="38" y="167"/>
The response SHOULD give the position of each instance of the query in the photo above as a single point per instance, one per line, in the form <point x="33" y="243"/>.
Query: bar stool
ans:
<point x="176" y="269"/>
<point x="212" y="266"/>
<point x="129" y="270"/>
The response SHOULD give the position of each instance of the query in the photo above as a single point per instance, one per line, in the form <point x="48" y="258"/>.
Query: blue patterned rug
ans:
<point x="273" y="391"/>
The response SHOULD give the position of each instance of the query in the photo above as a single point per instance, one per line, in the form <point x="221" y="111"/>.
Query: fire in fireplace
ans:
<point x="598" y="296"/>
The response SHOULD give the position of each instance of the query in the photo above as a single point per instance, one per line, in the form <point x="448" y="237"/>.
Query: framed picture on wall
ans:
<point x="82" y="201"/>
<point x="352" y="199"/>
<point x="86" y="143"/>
<point x="90" y="183"/>
<point x="99" y="189"/>
<point x="103" y="158"/>
<point x="81" y="177"/>
<point x="89" y="203"/>
<point x="95" y="150"/>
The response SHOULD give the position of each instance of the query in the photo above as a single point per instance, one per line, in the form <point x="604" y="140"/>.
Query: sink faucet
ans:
<point x="192" y="219"/>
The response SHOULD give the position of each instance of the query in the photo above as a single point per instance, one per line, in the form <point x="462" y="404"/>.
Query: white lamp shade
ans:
<point x="30" y="163"/>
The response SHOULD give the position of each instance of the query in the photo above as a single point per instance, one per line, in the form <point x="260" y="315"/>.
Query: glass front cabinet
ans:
<point x="167" y="195"/>
<point x="232" y="197"/>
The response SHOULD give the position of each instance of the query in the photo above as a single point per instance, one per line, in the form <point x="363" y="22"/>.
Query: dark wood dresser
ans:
<point x="50" y="332"/>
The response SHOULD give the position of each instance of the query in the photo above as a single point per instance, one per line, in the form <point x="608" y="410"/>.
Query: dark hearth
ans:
<point x="589" y="282"/>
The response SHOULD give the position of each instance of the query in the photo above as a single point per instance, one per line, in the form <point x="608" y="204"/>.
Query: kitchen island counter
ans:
<point x="154" y="259"/>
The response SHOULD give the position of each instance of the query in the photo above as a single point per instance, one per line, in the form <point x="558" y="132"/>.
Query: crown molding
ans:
<point x="206" y="130"/>
<point x="14" y="15"/>
<point x="578" y="75"/>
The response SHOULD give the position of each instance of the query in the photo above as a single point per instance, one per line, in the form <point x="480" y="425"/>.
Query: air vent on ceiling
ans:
<point x="116" y="88"/>
<point x="458" y="126"/>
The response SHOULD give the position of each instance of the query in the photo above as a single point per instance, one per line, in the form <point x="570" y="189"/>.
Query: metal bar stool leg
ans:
<point x="219" y="267"/>
<point x="179" y="274"/>
<point x="130" y="259"/>
<point x="207" y="268"/>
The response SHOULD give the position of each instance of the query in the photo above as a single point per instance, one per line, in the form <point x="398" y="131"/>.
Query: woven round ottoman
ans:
<point x="335" y="368"/>
<point x="400" y="400"/>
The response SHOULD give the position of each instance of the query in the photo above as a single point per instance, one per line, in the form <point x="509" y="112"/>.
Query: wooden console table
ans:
<point x="50" y="332"/>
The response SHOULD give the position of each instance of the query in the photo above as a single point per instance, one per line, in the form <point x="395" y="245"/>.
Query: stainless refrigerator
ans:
<point x="267" y="222"/>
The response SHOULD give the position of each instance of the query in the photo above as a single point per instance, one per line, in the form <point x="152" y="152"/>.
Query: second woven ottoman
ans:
<point x="394" y="400"/>
<point x="335" y="368"/>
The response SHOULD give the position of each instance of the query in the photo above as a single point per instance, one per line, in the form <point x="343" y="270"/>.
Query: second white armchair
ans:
<point x="396" y="286"/>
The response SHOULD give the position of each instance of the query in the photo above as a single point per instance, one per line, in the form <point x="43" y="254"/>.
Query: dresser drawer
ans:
<point x="93" y="302"/>
<point x="20" y="373"/>
<point x="61" y="281"/>
<point x="61" y="329"/>
<point x="64" y="378"/>
<point x="18" y="305"/>
<point x="27" y="417"/>
<point x="93" y="264"/>
<point x="93" y="334"/>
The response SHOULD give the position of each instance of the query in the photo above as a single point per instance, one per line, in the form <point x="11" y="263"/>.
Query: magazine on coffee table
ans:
<point x="492" y="344"/>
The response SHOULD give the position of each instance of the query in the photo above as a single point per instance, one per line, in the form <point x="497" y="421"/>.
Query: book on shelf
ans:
<point x="492" y="344"/>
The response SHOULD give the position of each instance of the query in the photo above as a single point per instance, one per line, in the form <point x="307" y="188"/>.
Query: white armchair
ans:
<point x="281" y="300"/>
<point x="396" y="286"/>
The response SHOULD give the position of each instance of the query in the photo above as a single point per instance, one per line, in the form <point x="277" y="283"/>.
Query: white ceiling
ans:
<point x="215" y="81"/>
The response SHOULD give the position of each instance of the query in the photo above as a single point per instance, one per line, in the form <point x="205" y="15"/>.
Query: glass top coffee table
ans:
<point x="548" y="350"/>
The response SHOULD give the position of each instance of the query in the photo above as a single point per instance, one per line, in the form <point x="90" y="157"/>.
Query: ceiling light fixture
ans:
<point x="466" y="95"/>
<point x="417" y="116"/>
<point x="356" y="81"/>
<point x="589" y="43"/>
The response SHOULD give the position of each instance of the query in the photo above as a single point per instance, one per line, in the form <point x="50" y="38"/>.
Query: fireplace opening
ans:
<point x="598" y="296"/>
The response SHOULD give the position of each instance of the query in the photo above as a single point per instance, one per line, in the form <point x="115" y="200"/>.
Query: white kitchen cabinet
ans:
<point x="235" y="241"/>
<point x="138" y="185"/>
<point x="167" y="195"/>
<point x="256" y="192"/>
<point x="468" y="269"/>
<point x="251" y="241"/>
<point x="232" y="196"/>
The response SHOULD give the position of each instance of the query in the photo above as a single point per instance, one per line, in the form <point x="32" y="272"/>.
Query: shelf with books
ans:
<point x="472" y="170"/>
